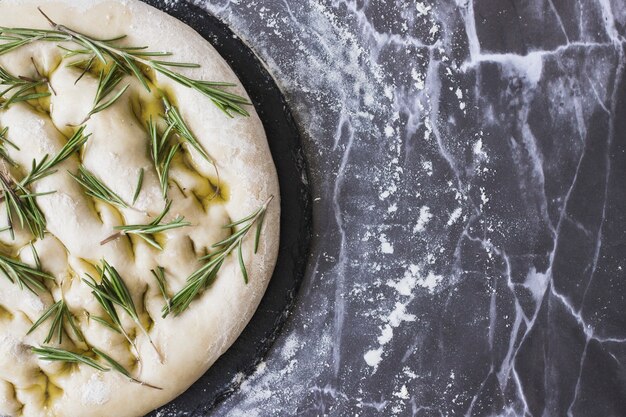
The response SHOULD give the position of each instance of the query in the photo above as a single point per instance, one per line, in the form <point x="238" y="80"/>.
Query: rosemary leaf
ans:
<point x="46" y="166"/>
<point x="108" y="80"/>
<point x="162" y="153"/>
<point x="178" y="125"/>
<point x="60" y="314"/>
<point x="159" y="276"/>
<point x="51" y="354"/>
<point x="119" y="368"/>
<point x="113" y="288"/>
<point x="139" y="185"/>
<point x="147" y="232"/>
<point x="114" y="323"/>
<point x="97" y="189"/>
<point x="18" y="89"/>
<point x="206" y="274"/>
<point x="21" y="203"/>
<point x="105" y="323"/>
<point x="4" y="154"/>
<point x="24" y="275"/>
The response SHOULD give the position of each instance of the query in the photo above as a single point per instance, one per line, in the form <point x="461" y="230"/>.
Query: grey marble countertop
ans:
<point x="467" y="168"/>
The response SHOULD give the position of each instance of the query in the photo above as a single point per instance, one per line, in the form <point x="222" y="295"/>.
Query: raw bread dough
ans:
<point x="116" y="151"/>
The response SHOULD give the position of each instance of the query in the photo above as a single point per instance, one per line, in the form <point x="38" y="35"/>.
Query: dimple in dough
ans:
<point x="116" y="151"/>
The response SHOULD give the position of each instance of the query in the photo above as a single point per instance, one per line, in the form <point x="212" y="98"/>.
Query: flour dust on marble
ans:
<point x="459" y="162"/>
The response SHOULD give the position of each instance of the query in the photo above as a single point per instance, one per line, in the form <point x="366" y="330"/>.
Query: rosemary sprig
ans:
<point x="22" y="37"/>
<point x="107" y="82"/>
<point x="162" y="153"/>
<point x="147" y="232"/>
<point x="60" y="314"/>
<point x="23" y="274"/>
<point x="114" y="323"/>
<point x="18" y="89"/>
<point x="113" y="288"/>
<point x="206" y="275"/>
<point x="97" y="189"/>
<point x="119" y="368"/>
<point x="139" y="185"/>
<point x="4" y="140"/>
<point x="129" y="58"/>
<point x="52" y="354"/>
<point x="20" y="202"/>
<point x="35" y="254"/>
<point x="176" y="122"/>
<point x="46" y="166"/>
<point x="159" y="276"/>
<point x="18" y="199"/>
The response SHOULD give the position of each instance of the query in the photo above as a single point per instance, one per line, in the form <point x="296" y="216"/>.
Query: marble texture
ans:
<point x="467" y="164"/>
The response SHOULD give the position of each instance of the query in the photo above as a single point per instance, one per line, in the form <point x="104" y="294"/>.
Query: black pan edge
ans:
<point x="296" y="218"/>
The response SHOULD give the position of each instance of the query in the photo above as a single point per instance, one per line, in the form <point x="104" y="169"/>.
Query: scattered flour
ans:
<point x="423" y="8"/>
<point x="95" y="391"/>
<point x="406" y="285"/>
<point x="423" y="220"/>
<point x="428" y="167"/>
<point x="385" y="246"/>
<point x="455" y="216"/>
<point x="403" y="394"/>
<point x="430" y="282"/>
<point x="373" y="357"/>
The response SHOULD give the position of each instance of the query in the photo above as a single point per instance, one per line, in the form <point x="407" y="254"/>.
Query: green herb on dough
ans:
<point x="206" y="274"/>
<point x="162" y="152"/>
<point x="52" y="354"/>
<point x="24" y="275"/>
<point x="47" y="165"/>
<point x="147" y="232"/>
<point x="97" y="189"/>
<point x="131" y="59"/>
<point x="18" y="89"/>
<point x="21" y="203"/>
<point x="113" y="288"/>
<point x="60" y="314"/>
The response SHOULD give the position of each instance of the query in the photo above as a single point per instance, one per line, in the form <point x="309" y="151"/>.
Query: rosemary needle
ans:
<point x="97" y="189"/>
<point x="21" y="203"/>
<point x="159" y="276"/>
<point x="139" y="185"/>
<point x="4" y="153"/>
<point x="176" y="122"/>
<point x="25" y="276"/>
<point x="52" y="354"/>
<point x="162" y="153"/>
<point x="60" y="314"/>
<point x="107" y="81"/>
<point x="46" y="166"/>
<point x="119" y="368"/>
<point x="113" y="288"/>
<point x="114" y="323"/>
<point x="18" y="89"/>
<point x="206" y="274"/>
<point x="147" y="232"/>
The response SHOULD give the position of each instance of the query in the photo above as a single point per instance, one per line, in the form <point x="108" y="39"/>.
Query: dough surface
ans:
<point x="116" y="151"/>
